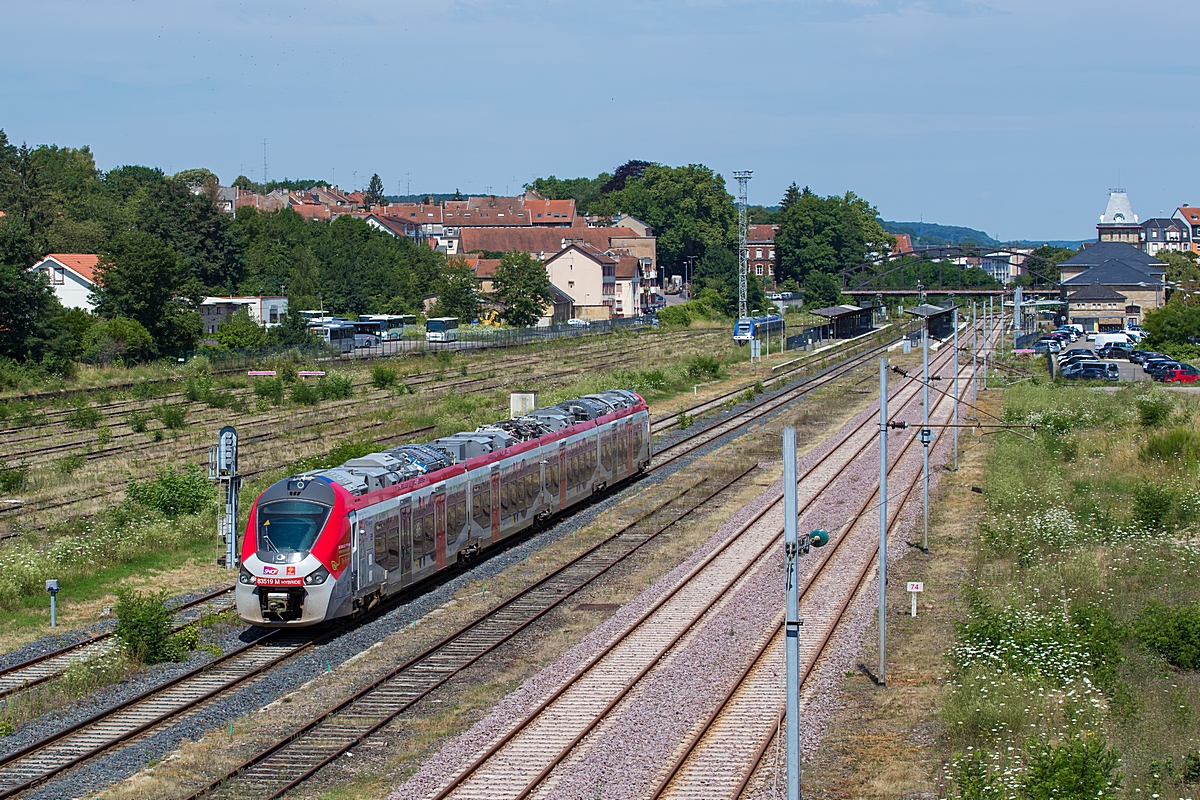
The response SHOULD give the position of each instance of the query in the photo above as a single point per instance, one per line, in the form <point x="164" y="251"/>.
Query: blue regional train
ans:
<point x="747" y="329"/>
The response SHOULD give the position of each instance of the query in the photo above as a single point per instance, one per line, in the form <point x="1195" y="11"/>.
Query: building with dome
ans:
<point x="1118" y="223"/>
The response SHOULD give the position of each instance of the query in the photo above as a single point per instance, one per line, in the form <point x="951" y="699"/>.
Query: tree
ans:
<point x="688" y="208"/>
<point x="821" y="290"/>
<point x="789" y="197"/>
<point x="142" y="279"/>
<point x="374" y="196"/>
<point x="29" y="316"/>
<point x="522" y="286"/>
<point x="828" y="234"/>
<point x="239" y="330"/>
<point x="195" y="178"/>
<point x="1181" y="266"/>
<point x="584" y="191"/>
<point x="243" y="183"/>
<point x="622" y="175"/>
<point x="717" y="271"/>
<point x="293" y="330"/>
<point x="118" y="339"/>
<point x="456" y="292"/>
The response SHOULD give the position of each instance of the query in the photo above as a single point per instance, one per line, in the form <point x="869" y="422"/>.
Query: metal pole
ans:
<point x="791" y="545"/>
<point x="53" y="610"/>
<point x="987" y="326"/>
<point x="883" y="471"/>
<point x="926" y="436"/>
<point x="956" y="390"/>
<point x="974" y="356"/>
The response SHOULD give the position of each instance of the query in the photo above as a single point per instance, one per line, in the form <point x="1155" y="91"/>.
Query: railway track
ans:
<point x="33" y="671"/>
<point x="46" y="759"/>
<point x="293" y="759"/>
<point x="722" y="754"/>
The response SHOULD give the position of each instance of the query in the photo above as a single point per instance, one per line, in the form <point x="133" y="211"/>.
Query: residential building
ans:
<point x="630" y="300"/>
<point x="1165" y="233"/>
<point x="72" y="276"/>
<point x="760" y="242"/>
<point x="588" y="276"/>
<point x="417" y="221"/>
<point x="1190" y="217"/>
<point x="542" y="243"/>
<point x="1097" y="308"/>
<point x="1122" y="268"/>
<point x="633" y="223"/>
<point x="1118" y="223"/>
<point x="1004" y="266"/>
<point x="903" y="244"/>
<point x="267" y="311"/>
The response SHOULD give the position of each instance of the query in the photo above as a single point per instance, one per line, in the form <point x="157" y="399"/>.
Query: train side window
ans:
<point x="427" y="535"/>
<point x="505" y="493"/>
<point x="381" y="532"/>
<point x="477" y="512"/>
<point x="531" y="487"/>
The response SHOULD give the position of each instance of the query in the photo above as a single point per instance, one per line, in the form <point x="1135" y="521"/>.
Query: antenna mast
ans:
<point x="264" y="162"/>
<point x="743" y="178"/>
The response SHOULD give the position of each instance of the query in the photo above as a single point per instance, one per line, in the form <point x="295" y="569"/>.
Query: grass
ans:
<point x="1081" y="641"/>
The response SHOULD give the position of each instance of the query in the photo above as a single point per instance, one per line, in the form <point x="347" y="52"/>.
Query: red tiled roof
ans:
<point x="81" y="263"/>
<point x="627" y="267"/>
<point x="1191" y="212"/>
<point x="538" y="240"/>
<point x="412" y="212"/>
<point x="760" y="234"/>
<point x="903" y="243"/>
<point x="486" y="267"/>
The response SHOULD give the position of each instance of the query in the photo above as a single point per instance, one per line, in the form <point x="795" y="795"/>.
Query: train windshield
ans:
<point x="743" y="325"/>
<point x="290" y="526"/>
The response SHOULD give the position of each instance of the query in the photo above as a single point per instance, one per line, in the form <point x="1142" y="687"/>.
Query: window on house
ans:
<point x="570" y="284"/>
<point x="758" y="269"/>
<point x="758" y="253"/>
<point x="57" y="276"/>
<point x="771" y="254"/>
<point x="274" y="315"/>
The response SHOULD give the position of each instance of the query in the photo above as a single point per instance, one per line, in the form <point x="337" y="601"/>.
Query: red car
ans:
<point x="1184" y="373"/>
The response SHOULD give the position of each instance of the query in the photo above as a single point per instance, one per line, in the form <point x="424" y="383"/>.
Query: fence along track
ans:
<point x="297" y="757"/>
<point x="724" y="752"/>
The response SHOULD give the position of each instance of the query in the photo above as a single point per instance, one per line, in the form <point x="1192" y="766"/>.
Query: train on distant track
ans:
<point x="336" y="542"/>
<point x="747" y="329"/>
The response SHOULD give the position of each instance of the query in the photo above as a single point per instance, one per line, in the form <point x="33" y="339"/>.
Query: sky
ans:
<point x="1015" y="117"/>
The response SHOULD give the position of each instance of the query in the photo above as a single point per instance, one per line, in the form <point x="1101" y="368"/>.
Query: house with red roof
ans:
<point x="1190" y="216"/>
<point x="588" y="275"/>
<point x="760" y="242"/>
<point x="72" y="276"/>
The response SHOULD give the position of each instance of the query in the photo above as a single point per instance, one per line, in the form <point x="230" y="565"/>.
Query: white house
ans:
<point x="72" y="276"/>
<point x="266" y="311"/>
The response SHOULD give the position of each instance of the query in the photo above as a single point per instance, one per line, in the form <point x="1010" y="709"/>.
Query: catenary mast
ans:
<point x="743" y="178"/>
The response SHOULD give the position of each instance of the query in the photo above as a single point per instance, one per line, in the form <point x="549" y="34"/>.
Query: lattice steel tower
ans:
<point x="743" y="178"/>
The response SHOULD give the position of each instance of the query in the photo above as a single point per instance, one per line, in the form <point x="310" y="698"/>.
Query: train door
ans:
<point x="628" y="425"/>
<point x="495" y="503"/>
<point x="358" y="541"/>
<point x="439" y="518"/>
<point x="561" y="474"/>
<point x="406" y="544"/>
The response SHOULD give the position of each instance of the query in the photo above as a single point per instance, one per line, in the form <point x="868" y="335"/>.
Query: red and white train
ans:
<point x="329" y="544"/>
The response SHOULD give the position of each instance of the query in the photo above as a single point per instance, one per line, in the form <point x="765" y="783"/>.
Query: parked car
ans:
<point x="1159" y="369"/>
<point x="1099" y="371"/>
<point x="1113" y="351"/>
<point x="577" y="323"/>
<point x="1070" y="370"/>
<point x="1041" y="346"/>
<point x="1142" y="356"/>
<point x="1081" y="351"/>
<point x="1150" y="364"/>
<point x="1184" y="373"/>
<point x="1069" y="332"/>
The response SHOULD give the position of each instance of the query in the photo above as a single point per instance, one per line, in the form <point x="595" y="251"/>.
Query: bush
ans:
<point x="144" y="390"/>
<point x="103" y="436"/>
<point x="144" y="625"/>
<point x="173" y="493"/>
<point x="286" y="371"/>
<point x="171" y="416"/>
<point x="118" y="339"/>
<point x="138" y="420"/>
<point x="702" y="367"/>
<point x="685" y="420"/>
<point x="269" y="389"/>
<point x="1173" y="633"/>
<point x="68" y="464"/>
<point x="675" y="316"/>
<point x="86" y="417"/>
<point x="305" y="394"/>
<point x="335" y="387"/>
<point x="1153" y="409"/>
<point x="13" y="478"/>
<point x="383" y="377"/>
<point x="1152" y="505"/>
<point x="187" y="639"/>
<point x="1074" y="770"/>
<point x="444" y="358"/>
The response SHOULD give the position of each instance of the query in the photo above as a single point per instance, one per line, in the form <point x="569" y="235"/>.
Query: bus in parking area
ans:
<point x="386" y="326"/>
<point x="339" y="334"/>
<point x="441" y="329"/>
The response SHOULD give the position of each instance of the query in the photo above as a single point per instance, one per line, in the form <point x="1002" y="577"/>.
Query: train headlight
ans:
<point x="244" y="577"/>
<point x="316" y="577"/>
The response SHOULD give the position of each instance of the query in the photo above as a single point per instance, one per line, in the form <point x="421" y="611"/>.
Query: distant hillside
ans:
<point x="929" y="234"/>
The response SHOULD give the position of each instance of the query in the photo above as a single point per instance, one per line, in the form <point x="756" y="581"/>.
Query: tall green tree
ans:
<point x="827" y="234"/>
<point x="1181" y="266"/>
<point x="141" y="278"/>
<point x="688" y="208"/>
<point x="456" y="292"/>
<point x="29" y="317"/>
<point x="375" y="195"/>
<point x="718" y="271"/>
<point x="522" y="286"/>
<point x="821" y="290"/>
